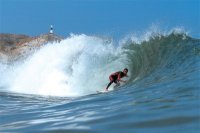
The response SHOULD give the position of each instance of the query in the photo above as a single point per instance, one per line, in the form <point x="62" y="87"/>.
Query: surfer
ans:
<point x="116" y="77"/>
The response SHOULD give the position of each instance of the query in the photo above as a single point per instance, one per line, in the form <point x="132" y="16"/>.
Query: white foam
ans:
<point x="78" y="65"/>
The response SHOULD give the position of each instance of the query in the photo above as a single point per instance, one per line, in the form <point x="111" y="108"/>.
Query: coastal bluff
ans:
<point x="16" y="46"/>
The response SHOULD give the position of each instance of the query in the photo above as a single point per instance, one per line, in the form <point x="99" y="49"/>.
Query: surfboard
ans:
<point x="102" y="91"/>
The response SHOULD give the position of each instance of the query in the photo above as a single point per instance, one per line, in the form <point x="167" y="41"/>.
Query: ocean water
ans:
<point x="54" y="90"/>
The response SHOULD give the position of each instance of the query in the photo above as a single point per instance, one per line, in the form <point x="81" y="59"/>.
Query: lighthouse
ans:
<point x="51" y="29"/>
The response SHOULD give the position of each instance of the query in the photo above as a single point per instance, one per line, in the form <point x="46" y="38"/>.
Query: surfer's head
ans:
<point x="125" y="70"/>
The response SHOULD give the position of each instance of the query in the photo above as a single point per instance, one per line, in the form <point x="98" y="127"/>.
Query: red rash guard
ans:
<point x="116" y="76"/>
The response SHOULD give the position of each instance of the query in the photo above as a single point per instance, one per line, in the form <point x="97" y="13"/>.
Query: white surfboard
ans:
<point x="102" y="91"/>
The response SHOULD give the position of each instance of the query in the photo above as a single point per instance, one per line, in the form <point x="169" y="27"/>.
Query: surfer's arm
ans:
<point x="119" y="79"/>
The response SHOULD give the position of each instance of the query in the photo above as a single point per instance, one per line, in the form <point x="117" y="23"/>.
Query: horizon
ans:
<point x="112" y="18"/>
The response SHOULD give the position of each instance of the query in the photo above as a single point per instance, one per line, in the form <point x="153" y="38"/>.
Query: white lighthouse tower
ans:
<point x="51" y="29"/>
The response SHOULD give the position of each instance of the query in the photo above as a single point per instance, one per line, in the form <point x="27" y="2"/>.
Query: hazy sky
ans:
<point x="98" y="17"/>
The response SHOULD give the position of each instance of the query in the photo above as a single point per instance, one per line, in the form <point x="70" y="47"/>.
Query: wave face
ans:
<point x="55" y="88"/>
<point x="162" y="56"/>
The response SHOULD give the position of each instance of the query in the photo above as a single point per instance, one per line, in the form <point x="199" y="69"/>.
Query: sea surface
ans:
<point x="54" y="90"/>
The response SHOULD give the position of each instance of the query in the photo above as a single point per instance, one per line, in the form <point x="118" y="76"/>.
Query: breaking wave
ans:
<point x="80" y="64"/>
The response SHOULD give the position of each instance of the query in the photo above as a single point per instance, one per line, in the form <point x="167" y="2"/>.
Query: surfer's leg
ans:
<point x="116" y="84"/>
<point x="109" y="84"/>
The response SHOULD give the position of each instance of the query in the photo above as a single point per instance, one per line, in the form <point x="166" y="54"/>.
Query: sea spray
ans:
<point x="78" y="65"/>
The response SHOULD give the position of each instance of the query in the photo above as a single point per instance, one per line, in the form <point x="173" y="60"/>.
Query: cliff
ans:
<point x="14" y="47"/>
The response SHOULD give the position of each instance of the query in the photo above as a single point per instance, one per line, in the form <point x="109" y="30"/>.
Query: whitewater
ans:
<point x="54" y="89"/>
